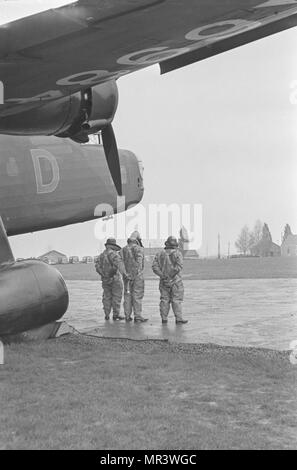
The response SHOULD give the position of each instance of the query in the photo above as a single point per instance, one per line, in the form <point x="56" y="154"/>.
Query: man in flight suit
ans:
<point x="133" y="258"/>
<point x="168" y="265"/>
<point x="110" y="267"/>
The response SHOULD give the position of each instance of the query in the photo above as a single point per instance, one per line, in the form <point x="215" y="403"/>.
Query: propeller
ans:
<point x="112" y="156"/>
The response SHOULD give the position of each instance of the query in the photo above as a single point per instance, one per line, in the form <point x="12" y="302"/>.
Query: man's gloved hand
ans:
<point x="128" y="277"/>
<point x="167" y="282"/>
<point x="107" y="280"/>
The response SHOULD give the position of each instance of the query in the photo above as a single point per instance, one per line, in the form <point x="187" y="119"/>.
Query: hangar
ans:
<point x="54" y="257"/>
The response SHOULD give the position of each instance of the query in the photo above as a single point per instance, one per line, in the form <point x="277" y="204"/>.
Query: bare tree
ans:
<point x="244" y="241"/>
<point x="256" y="234"/>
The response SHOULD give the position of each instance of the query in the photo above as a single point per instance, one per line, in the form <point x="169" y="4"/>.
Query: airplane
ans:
<point x="59" y="65"/>
<point x="47" y="182"/>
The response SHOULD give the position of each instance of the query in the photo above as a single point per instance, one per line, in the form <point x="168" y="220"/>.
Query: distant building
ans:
<point x="289" y="244"/>
<point x="73" y="259"/>
<point x="149" y="253"/>
<point x="54" y="257"/>
<point x="265" y="247"/>
<point x="190" y="254"/>
<point x="87" y="259"/>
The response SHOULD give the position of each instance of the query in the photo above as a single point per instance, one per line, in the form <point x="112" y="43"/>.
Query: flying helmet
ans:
<point x="171" y="242"/>
<point x="112" y="243"/>
<point x="135" y="236"/>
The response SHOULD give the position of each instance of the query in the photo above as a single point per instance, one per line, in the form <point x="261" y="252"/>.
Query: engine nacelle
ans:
<point x="32" y="294"/>
<point x="73" y="116"/>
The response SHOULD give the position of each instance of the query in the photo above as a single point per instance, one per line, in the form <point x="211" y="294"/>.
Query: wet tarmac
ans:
<point x="243" y="312"/>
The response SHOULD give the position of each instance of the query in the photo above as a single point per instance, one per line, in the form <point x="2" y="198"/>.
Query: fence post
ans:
<point x="1" y="93"/>
<point x="1" y="353"/>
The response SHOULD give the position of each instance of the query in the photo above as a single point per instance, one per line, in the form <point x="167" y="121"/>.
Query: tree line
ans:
<point x="247" y="238"/>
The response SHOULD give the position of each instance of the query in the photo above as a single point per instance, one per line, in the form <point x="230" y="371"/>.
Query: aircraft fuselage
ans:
<point x="47" y="182"/>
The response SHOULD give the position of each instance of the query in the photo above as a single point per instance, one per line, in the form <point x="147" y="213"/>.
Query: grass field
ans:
<point x="234" y="268"/>
<point x="84" y="393"/>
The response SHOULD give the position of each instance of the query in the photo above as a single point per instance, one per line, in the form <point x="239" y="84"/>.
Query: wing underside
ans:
<point x="63" y="50"/>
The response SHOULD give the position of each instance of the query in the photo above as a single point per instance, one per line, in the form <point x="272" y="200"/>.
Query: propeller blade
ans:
<point x="112" y="157"/>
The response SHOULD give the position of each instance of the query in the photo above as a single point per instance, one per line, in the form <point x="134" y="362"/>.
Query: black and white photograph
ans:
<point x="148" y="228"/>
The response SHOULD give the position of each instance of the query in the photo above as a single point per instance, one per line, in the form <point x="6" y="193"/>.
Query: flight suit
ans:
<point x="133" y="258"/>
<point x="110" y="267"/>
<point x="168" y="265"/>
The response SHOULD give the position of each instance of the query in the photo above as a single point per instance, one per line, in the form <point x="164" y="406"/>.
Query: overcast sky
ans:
<point x="221" y="133"/>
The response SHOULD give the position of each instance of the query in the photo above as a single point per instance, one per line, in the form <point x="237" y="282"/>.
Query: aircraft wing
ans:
<point x="71" y="47"/>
